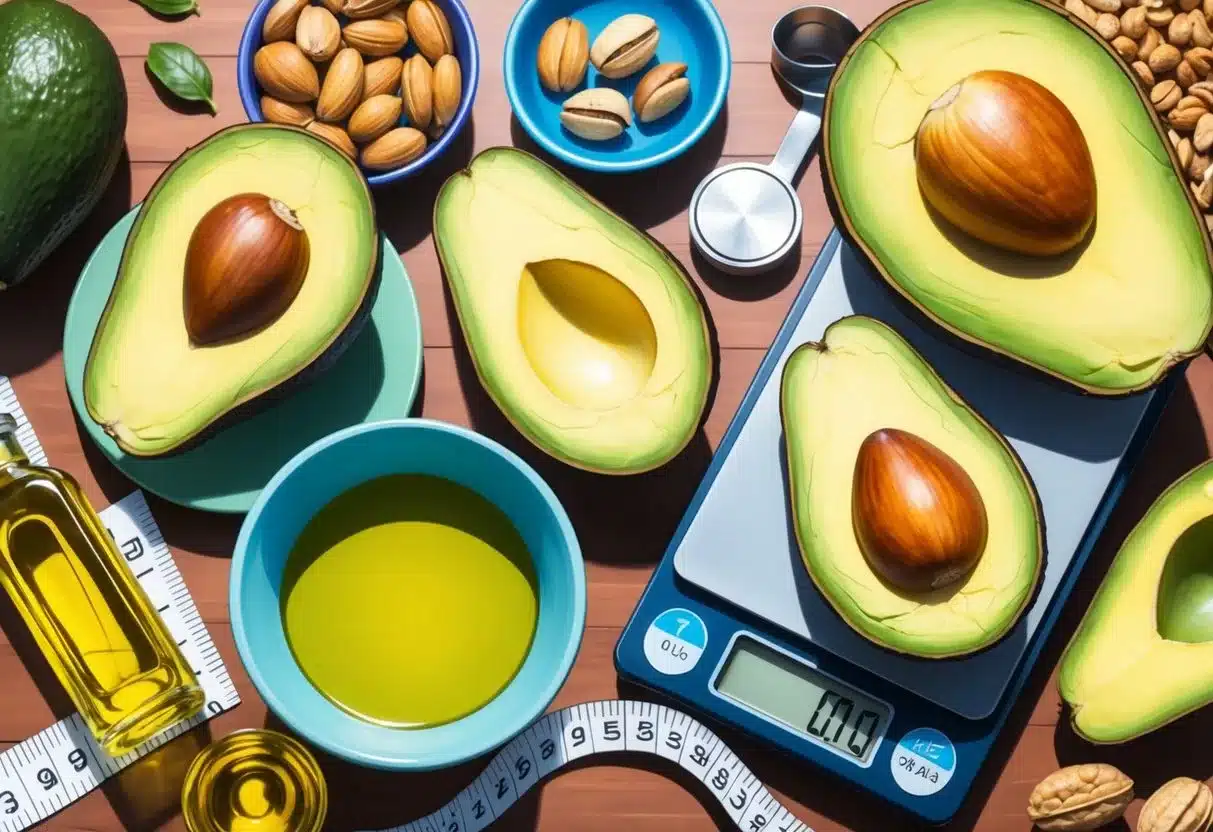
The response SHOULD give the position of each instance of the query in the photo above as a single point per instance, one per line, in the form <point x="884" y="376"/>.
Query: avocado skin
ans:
<point x="305" y="374"/>
<point x="972" y="345"/>
<point x="63" y="114"/>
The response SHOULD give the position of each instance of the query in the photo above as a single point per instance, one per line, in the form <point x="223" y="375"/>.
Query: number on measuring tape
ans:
<point x="672" y="729"/>
<point x="578" y="737"/>
<point x="58" y="765"/>
<point x="606" y="722"/>
<point x="700" y="752"/>
<point x="641" y="726"/>
<point x="474" y="808"/>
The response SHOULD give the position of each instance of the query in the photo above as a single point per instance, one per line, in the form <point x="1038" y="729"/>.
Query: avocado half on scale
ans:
<point x="586" y="333"/>
<point x="251" y="265"/>
<point x="1143" y="654"/>
<point x="1054" y="229"/>
<point x="914" y="517"/>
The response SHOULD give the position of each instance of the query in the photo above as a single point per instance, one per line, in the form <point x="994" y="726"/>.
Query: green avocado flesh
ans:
<point x="1143" y="654"/>
<point x="585" y="332"/>
<point x="1112" y="315"/>
<point x="145" y="383"/>
<point x="62" y="118"/>
<point x="863" y="377"/>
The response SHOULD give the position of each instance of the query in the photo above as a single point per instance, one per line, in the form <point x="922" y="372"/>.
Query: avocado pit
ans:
<point x="244" y="265"/>
<point x="918" y="517"/>
<point x="1003" y="159"/>
<point x="1185" y="592"/>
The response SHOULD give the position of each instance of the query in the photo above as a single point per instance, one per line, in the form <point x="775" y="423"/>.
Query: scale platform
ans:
<point x="731" y="625"/>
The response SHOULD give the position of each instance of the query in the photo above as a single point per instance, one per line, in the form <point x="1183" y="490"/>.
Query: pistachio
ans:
<point x="660" y="91"/>
<point x="448" y="91"/>
<point x="1187" y="113"/>
<point x="376" y="38"/>
<point x="1204" y="91"/>
<point x="1133" y="23"/>
<point x="318" y="34"/>
<point x="335" y="6"/>
<point x="280" y="20"/>
<point x="1180" y="805"/>
<point x="284" y="72"/>
<point x="284" y="112"/>
<point x="363" y="9"/>
<point x="1125" y="46"/>
<point x="417" y="91"/>
<point x="342" y="88"/>
<point x="1080" y="797"/>
<point x="1201" y="36"/>
<point x="563" y="55"/>
<point x="397" y="14"/>
<point x="1143" y="73"/>
<point x="1164" y="95"/>
<point x="335" y="136"/>
<point x="373" y="118"/>
<point x="430" y="29"/>
<point x="1108" y="25"/>
<point x="381" y="77"/>
<point x="1163" y="59"/>
<point x="596" y="114"/>
<point x="394" y="148"/>
<point x="1201" y="60"/>
<point x="1185" y="75"/>
<point x="626" y="45"/>
<point x="1148" y="43"/>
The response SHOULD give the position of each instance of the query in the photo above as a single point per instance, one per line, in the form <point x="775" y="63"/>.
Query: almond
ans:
<point x="335" y="136"/>
<point x="285" y="72"/>
<point x="373" y="118"/>
<point x="563" y="55"/>
<point x="362" y="9"/>
<point x="342" y="88"/>
<point x="280" y="20"/>
<point x="394" y="148"/>
<point x="381" y="77"/>
<point x="318" y="34"/>
<point x="284" y="112"/>
<point x="430" y="29"/>
<point x="376" y="38"/>
<point x="417" y="91"/>
<point x="448" y="90"/>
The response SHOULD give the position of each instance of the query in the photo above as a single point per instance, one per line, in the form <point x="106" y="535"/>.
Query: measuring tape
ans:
<point x="63" y="763"/>
<point x="564" y="736"/>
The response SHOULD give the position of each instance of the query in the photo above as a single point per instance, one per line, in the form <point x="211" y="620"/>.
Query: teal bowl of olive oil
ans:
<point x="407" y="594"/>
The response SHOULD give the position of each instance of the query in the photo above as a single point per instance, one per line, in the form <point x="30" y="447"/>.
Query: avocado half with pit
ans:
<point x="914" y="517"/>
<point x="1119" y="289"/>
<point x="586" y="333"/>
<point x="1143" y="654"/>
<point x="250" y="266"/>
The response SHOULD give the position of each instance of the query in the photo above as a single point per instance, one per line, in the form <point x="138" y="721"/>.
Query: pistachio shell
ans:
<point x="342" y="88"/>
<point x="660" y="91"/>
<point x="563" y="55"/>
<point x="373" y="118"/>
<point x="381" y="77"/>
<point x="334" y="135"/>
<point x="625" y="45"/>
<point x="362" y="9"/>
<point x="284" y="112"/>
<point x="417" y="91"/>
<point x="448" y="90"/>
<point x="394" y="148"/>
<point x="280" y="20"/>
<point x="376" y="38"/>
<point x="284" y="72"/>
<point x="430" y="30"/>
<point x="596" y="114"/>
<point x="318" y="34"/>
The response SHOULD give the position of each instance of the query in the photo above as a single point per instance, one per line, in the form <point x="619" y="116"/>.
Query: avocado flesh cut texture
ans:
<point x="1143" y="654"/>
<point x="1112" y="315"/>
<point x="145" y="383"/>
<point x="62" y="118"/>
<point x="863" y="377"/>
<point x="585" y="332"/>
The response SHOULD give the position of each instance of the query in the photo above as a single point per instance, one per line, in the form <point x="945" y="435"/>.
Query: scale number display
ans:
<point x="781" y="688"/>
<point x="675" y="641"/>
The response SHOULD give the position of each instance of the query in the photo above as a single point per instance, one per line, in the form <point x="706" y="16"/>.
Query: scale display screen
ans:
<point x="783" y="689"/>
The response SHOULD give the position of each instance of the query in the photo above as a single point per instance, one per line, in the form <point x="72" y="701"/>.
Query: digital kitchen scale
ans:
<point x="731" y="626"/>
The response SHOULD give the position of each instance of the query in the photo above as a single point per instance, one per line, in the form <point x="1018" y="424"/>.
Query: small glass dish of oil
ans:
<point x="254" y="780"/>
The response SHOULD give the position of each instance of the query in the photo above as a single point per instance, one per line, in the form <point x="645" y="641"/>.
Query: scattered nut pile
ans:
<point x="622" y="49"/>
<point x="1169" y="44"/>
<point x="1093" y="795"/>
<point x="338" y="70"/>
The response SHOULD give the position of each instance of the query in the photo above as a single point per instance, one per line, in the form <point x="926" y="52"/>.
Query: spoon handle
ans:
<point x="796" y="145"/>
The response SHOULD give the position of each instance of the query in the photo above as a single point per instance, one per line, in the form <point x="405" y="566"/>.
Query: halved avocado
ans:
<point x="1111" y="316"/>
<point x="863" y="377"/>
<point x="1143" y="654"/>
<point x="586" y="332"/>
<point x="151" y="388"/>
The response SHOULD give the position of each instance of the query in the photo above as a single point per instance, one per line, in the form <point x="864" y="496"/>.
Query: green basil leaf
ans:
<point x="170" y="7"/>
<point x="181" y="70"/>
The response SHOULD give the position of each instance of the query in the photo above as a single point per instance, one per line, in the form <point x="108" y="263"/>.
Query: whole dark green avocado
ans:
<point x="62" y="119"/>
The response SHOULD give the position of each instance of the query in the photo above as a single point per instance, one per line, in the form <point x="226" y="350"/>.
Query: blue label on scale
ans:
<point x="923" y="761"/>
<point x="675" y="641"/>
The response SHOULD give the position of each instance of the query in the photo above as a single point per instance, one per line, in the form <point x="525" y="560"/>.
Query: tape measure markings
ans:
<point x="60" y="764"/>
<point x="562" y="737"/>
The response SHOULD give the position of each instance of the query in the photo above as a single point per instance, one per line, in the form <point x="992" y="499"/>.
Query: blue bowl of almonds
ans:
<point x="389" y="82"/>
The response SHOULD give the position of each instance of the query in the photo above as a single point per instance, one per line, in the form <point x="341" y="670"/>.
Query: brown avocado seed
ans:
<point x="245" y="264"/>
<point x="1003" y="159"/>
<point x="918" y="518"/>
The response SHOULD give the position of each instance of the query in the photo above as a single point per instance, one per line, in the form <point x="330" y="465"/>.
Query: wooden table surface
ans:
<point x="624" y="524"/>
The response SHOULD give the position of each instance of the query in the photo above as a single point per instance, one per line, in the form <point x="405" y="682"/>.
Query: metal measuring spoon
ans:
<point x="745" y="217"/>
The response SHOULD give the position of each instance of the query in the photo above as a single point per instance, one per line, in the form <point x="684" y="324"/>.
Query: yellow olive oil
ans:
<point x="410" y="601"/>
<point x="255" y="780"/>
<point x="92" y="620"/>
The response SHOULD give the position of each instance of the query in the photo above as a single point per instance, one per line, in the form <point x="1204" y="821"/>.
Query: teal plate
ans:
<point x="377" y="377"/>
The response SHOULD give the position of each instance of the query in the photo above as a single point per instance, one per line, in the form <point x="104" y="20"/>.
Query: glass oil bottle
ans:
<point x="92" y="620"/>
